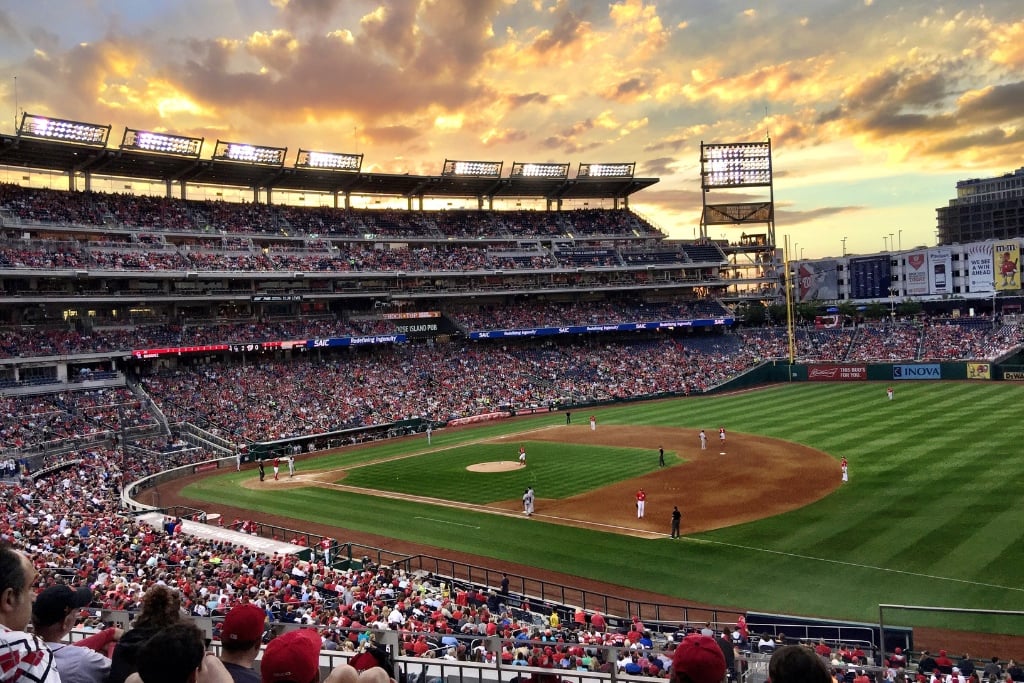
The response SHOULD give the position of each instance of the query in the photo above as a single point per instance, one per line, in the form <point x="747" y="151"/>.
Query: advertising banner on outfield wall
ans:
<point x="979" y="371"/>
<point x="837" y="373"/>
<point x="979" y="268"/>
<point x="817" y="281"/>
<point x="940" y="271"/>
<point x="1014" y="376"/>
<point x="923" y="371"/>
<point x="1006" y="260"/>
<point x="917" y="273"/>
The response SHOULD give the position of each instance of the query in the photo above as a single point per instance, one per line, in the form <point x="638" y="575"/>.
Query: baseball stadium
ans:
<point x="337" y="411"/>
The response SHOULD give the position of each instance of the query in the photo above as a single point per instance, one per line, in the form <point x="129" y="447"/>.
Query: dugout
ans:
<point x="796" y="629"/>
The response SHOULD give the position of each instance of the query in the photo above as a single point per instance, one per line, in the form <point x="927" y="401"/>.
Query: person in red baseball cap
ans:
<point x="293" y="657"/>
<point x="241" y="637"/>
<point x="698" y="659"/>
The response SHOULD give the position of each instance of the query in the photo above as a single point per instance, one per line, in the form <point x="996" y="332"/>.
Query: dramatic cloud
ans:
<point x="860" y="92"/>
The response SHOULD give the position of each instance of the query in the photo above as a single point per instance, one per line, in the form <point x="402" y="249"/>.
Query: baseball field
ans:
<point x="931" y="515"/>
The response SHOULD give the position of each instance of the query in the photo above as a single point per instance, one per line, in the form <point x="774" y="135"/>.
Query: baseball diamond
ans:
<point x="770" y="510"/>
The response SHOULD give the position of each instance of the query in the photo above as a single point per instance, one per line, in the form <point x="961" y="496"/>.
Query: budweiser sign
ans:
<point x="837" y="373"/>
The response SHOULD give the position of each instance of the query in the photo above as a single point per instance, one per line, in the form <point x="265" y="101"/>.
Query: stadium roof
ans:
<point x="71" y="158"/>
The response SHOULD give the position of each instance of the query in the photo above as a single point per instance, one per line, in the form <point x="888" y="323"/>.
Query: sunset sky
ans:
<point x="875" y="109"/>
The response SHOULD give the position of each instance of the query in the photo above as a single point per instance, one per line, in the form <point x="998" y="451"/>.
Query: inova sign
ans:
<point x="932" y="371"/>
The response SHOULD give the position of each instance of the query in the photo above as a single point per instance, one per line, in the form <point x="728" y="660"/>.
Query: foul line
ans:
<point x="853" y="564"/>
<point x="445" y="521"/>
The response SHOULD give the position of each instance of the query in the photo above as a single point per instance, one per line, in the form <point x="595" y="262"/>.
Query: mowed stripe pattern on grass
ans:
<point x="555" y="470"/>
<point x="931" y="515"/>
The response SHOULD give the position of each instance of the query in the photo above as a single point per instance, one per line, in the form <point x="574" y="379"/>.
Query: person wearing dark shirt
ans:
<point x="724" y="641"/>
<point x="927" y="663"/>
<point x="993" y="670"/>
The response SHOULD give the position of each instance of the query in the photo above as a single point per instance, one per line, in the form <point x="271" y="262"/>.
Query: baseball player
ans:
<point x="703" y="440"/>
<point x="721" y="435"/>
<point x="277" y="467"/>
<point x="641" y="503"/>
<point x="522" y="456"/>
<point x="593" y="423"/>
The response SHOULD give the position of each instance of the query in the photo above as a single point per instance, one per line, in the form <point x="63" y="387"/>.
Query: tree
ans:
<point x="752" y="313"/>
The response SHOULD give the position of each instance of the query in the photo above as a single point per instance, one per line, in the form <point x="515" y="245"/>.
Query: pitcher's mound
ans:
<point x="496" y="466"/>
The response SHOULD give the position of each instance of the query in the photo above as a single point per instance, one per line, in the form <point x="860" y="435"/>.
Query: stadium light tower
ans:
<point x="616" y="170"/>
<point x="46" y="128"/>
<point x="330" y="161"/>
<point x="539" y="170"/>
<point x="754" y="260"/>
<point x="161" y="143"/>
<point x="474" y="169"/>
<point x="253" y="154"/>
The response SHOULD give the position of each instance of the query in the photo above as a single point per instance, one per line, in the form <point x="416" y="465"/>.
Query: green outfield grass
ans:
<point x="932" y="514"/>
<point x="558" y="470"/>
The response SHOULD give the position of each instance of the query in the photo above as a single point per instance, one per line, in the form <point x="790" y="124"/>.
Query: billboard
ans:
<point x="837" y="373"/>
<point x="870" y="277"/>
<point x="940" y="271"/>
<point x="917" y="274"/>
<point x="917" y="371"/>
<point x="1006" y="265"/>
<point x="980" y="268"/>
<point x="816" y="281"/>
<point x="979" y="371"/>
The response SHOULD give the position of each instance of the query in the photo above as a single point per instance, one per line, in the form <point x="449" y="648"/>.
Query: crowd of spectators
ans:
<point x="50" y="418"/>
<point x="279" y="399"/>
<point x="136" y="212"/>
<point x="887" y="342"/>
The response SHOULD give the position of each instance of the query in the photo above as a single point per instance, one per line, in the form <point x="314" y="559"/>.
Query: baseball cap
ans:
<point x="293" y="656"/>
<point x="243" y="623"/>
<point x="56" y="602"/>
<point x="700" y="659"/>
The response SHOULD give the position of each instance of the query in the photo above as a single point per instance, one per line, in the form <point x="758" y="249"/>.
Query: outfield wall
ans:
<point x="894" y="373"/>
